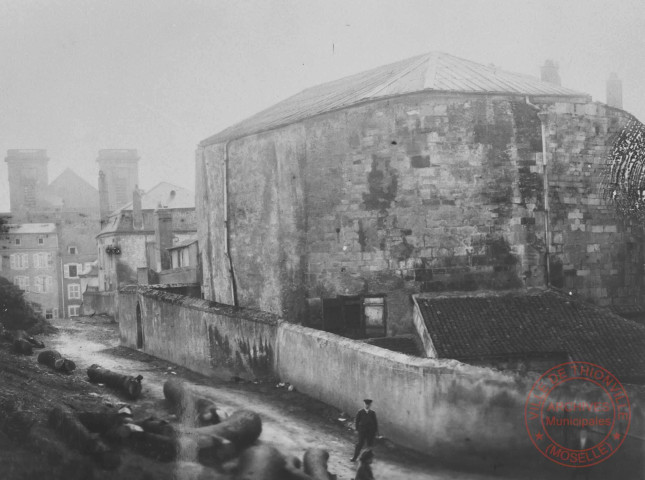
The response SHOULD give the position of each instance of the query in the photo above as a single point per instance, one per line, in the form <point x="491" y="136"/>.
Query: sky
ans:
<point x="159" y="76"/>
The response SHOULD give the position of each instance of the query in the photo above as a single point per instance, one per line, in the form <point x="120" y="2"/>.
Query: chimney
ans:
<point x="104" y="206"/>
<point x="549" y="72"/>
<point x="614" y="91"/>
<point x="163" y="237"/>
<point x="137" y="214"/>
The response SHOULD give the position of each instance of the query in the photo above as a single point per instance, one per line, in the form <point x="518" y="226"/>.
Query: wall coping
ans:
<point x="440" y="366"/>
<point x="99" y="293"/>
<point x="201" y="305"/>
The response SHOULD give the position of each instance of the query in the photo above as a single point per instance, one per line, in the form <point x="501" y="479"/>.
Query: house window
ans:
<point x="72" y="310"/>
<point x="49" y="313"/>
<point x="71" y="270"/>
<point x="41" y="241"/>
<point x="42" y="260"/>
<point x="43" y="284"/>
<point x="17" y="240"/>
<point x="21" y="282"/>
<point x="73" y="290"/>
<point x="72" y="250"/>
<point x="19" y="261"/>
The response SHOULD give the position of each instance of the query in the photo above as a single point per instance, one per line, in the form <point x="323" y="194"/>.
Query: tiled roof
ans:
<point x="431" y="72"/>
<point x="543" y="321"/>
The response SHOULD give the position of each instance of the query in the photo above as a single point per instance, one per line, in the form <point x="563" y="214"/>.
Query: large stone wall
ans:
<point x="420" y="193"/>
<point x="593" y="252"/>
<point x="442" y="408"/>
<point x="209" y="338"/>
<point x="427" y="404"/>
<point x="100" y="303"/>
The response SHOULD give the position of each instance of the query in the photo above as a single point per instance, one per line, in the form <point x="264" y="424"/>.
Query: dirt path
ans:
<point x="291" y="421"/>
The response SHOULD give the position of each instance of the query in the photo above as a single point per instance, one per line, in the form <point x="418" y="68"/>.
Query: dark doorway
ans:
<point x="353" y="316"/>
<point x="139" y="328"/>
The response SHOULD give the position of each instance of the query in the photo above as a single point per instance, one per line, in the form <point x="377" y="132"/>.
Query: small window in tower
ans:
<point x="72" y="250"/>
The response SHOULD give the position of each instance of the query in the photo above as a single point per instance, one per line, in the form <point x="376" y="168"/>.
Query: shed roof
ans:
<point x="431" y="72"/>
<point x="467" y="326"/>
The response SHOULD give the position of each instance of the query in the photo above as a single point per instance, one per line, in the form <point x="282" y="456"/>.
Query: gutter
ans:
<point x="545" y="188"/>
<point x="62" y="288"/>
<point x="227" y="224"/>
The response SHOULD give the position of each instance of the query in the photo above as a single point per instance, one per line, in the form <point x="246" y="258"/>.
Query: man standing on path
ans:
<point x="366" y="426"/>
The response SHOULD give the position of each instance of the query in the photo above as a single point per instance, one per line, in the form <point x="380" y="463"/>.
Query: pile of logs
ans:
<point x="264" y="462"/>
<point x="79" y="437"/>
<point x="22" y="342"/>
<point x="203" y="433"/>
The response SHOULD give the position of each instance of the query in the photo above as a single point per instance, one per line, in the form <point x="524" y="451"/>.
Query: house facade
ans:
<point x="68" y="202"/>
<point x="29" y="258"/>
<point x="432" y="174"/>
<point x="138" y="235"/>
<point x="184" y="264"/>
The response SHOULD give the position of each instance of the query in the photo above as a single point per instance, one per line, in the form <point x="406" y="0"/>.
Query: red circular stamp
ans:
<point x="577" y="414"/>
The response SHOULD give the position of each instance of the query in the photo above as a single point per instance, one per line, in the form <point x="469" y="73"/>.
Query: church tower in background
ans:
<point x="118" y="177"/>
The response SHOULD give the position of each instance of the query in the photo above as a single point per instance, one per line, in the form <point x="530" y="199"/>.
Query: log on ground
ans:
<point x="189" y="407"/>
<point x="128" y="385"/>
<point x="55" y="360"/>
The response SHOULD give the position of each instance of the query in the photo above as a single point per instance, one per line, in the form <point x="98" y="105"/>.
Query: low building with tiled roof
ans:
<point x="535" y="329"/>
<point x="430" y="174"/>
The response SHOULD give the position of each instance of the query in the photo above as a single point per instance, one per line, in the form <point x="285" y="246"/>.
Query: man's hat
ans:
<point x="367" y="400"/>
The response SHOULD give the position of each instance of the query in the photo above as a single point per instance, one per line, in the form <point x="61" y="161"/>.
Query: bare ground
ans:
<point x="292" y="422"/>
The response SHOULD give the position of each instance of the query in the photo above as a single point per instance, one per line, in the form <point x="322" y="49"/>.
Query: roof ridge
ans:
<point x="413" y="66"/>
<point x="445" y="73"/>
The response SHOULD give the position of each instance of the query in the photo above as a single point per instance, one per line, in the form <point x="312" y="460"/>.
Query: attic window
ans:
<point x="41" y="240"/>
<point x="17" y="241"/>
<point x="72" y="250"/>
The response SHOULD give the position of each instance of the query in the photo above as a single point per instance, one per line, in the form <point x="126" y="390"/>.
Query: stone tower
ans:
<point x="614" y="91"/>
<point x="118" y="177"/>
<point x="549" y="72"/>
<point x="27" y="181"/>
